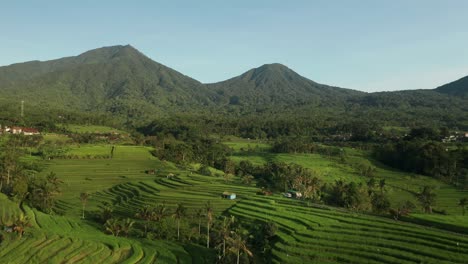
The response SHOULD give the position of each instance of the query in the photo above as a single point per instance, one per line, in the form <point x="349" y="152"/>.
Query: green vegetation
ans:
<point x="137" y="163"/>
<point x="134" y="207"/>
<point x="91" y="129"/>
<point x="118" y="86"/>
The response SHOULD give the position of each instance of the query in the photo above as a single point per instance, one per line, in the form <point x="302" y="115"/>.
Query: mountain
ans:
<point x="456" y="88"/>
<point x="29" y="70"/>
<point x="118" y="79"/>
<point x="122" y="81"/>
<point x="276" y="84"/>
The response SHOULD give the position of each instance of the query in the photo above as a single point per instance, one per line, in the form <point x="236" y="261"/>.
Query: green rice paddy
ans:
<point x="306" y="233"/>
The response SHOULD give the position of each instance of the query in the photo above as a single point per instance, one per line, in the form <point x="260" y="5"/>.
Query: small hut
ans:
<point x="293" y="194"/>
<point x="151" y="172"/>
<point x="228" y="195"/>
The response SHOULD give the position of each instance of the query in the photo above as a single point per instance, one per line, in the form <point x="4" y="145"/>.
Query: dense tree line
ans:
<point x="18" y="179"/>
<point x="427" y="157"/>
<point x="182" y="142"/>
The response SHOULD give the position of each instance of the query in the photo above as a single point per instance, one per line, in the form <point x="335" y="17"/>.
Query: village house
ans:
<point x="27" y="131"/>
<point x="16" y="130"/>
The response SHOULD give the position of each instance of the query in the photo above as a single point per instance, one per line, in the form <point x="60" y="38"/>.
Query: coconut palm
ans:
<point x="126" y="226"/>
<point x="10" y="164"/>
<point x="311" y="190"/>
<point x="106" y="212"/>
<point x="84" y="199"/>
<point x="178" y="214"/>
<point x="199" y="214"/>
<point x="54" y="182"/>
<point x="44" y="195"/>
<point x="382" y="185"/>
<point x="238" y="245"/>
<point x="427" y="198"/>
<point x="209" y="218"/>
<point x="462" y="203"/>
<point x="145" y="213"/>
<point x="160" y="212"/>
<point x="225" y="230"/>
<point x="113" y="226"/>
<point x="247" y="179"/>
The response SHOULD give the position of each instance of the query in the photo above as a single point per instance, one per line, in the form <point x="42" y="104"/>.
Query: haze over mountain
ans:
<point x="123" y="81"/>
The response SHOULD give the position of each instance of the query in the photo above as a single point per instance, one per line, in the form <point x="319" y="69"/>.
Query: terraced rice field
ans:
<point x="317" y="235"/>
<point x="401" y="186"/>
<point x="7" y="207"/>
<point x="306" y="234"/>
<point x="59" y="239"/>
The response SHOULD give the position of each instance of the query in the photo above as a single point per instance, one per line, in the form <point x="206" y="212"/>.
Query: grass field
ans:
<point x="57" y="138"/>
<point x="91" y="129"/>
<point x="306" y="234"/>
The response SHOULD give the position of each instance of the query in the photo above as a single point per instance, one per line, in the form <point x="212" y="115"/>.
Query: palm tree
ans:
<point x="371" y="183"/>
<point x="54" y="182"/>
<point x="127" y="225"/>
<point x="247" y="179"/>
<point x="10" y="163"/>
<point x="113" y="226"/>
<point x="44" y="196"/>
<point x="209" y="216"/>
<point x="1" y="178"/>
<point x="160" y="212"/>
<point x="107" y="211"/>
<point x="462" y="203"/>
<point x="225" y="230"/>
<point x="178" y="214"/>
<point x="145" y="213"/>
<point x="84" y="199"/>
<point x="382" y="185"/>
<point x="311" y="190"/>
<point x="199" y="215"/>
<point x="238" y="245"/>
<point x="427" y="198"/>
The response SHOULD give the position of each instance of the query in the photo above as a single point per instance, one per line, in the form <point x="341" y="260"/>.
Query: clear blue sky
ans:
<point x="370" y="45"/>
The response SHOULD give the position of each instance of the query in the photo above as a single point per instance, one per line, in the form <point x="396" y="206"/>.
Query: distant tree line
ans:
<point x="422" y="155"/>
<point x="185" y="143"/>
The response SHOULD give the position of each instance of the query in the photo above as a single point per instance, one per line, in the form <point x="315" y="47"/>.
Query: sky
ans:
<point x="367" y="45"/>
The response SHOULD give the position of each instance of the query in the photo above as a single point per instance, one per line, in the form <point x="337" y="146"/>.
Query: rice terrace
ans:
<point x="111" y="157"/>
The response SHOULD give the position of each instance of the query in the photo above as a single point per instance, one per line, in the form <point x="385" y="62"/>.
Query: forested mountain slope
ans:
<point x="121" y="81"/>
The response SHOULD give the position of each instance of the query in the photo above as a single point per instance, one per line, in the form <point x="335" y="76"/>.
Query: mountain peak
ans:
<point x="108" y="53"/>
<point x="457" y="88"/>
<point x="275" y="72"/>
<point x="275" y="83"/>
<point x="274" y="66"/>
